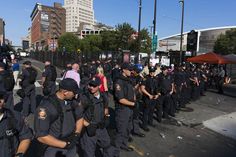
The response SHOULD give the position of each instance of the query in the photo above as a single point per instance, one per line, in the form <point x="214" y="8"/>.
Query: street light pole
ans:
<point x="139" y="28"/>
<point x="181" y="35"/>
<point x="155" y="15"/>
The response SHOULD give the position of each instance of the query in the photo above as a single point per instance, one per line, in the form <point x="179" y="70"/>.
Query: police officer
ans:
<point x="49" y="76"/>
<point x="57" y="125"/>
<point x="124" y="102"/>
<point x="195" y="83"/>
<point x="179" y="80"/>
<point x="167" y="89"/>
<point x="7" y="84"/>
<point x="15" y="136"/>
<point x="151" y="92"/>
<point x="220" y="80"/>
<point x="95" y="117"/>
<point x="136" y="81"/>
<point x="28" y="78"/>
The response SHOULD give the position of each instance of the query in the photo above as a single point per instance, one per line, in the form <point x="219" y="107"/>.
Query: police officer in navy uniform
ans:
<point x="95" y="116"/>
<point x="57" y="125"/>
<point x="151" y="92"/>
<point x="136" y="81"/>
<point x="124" y="102"/>
<point x="49" y="76"/>
<point x="29" y="100"/>
<point x="15" y="135"/>
<point x="167" y="89"/>
<point x="194" y="83"/>
<point x="7" y="84"/>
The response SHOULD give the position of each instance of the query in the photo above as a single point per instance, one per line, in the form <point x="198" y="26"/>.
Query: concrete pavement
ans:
<point x="192" y="133"/>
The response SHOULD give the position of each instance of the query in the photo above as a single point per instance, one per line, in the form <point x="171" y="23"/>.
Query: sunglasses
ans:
<point x="92" y="85"/>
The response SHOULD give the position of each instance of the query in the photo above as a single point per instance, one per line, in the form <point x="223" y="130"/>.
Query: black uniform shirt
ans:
<point x="151" y="85"/>
<point x="47" y="73"/>
<point x="124" y="89"/>
<point x="48" y="121"/>
<point x="12" y="121"/>
<point x="25" y="77"/>
<point x="165" y="82"/>
<point x="94" y="107"/>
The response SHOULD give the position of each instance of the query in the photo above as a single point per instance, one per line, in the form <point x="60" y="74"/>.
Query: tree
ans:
<point x="145" y="42"/>
<point x="109" y="40"/>
<point x="91" y="46"/>
<point x="123" y="36"/>
<point x="226" y="43"/>
<point x="69" y="42"/>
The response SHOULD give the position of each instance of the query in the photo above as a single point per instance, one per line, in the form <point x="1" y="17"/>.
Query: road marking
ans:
<point x="38" y="84"/>
<point x="37" y="68"/>
<point x="137" y="150"/>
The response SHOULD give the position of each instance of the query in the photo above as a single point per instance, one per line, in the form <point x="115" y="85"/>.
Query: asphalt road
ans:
<point x="184" y="136"/>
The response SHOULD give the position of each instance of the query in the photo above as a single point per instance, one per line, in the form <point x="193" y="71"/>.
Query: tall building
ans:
<point x="78" y="12"/>
<point x="2" y="32"/>
<point x="48" y="24"/>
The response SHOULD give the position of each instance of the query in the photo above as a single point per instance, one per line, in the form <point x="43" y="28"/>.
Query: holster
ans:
<point x="91" y="129"/>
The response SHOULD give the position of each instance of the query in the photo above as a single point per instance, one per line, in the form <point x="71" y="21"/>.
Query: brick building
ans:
<point x="48" y="24"/>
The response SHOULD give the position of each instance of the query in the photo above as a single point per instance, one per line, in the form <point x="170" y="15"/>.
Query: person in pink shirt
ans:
<point x="74" y="73"/>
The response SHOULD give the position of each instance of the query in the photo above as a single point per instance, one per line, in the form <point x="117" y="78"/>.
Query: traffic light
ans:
<point x="192" y="41"/>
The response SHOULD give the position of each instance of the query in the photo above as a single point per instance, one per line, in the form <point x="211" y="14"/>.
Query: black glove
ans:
<point x="19" y="155"/>
<point x="72" y="140"/>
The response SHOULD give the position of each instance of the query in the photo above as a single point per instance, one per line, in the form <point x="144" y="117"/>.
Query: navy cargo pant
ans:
<point x="148" y="111"/>
<point x="135" y="119"/>
<point x="9" y="100"/>
<point x="123" y="124"/>
<point x="29" y="101"/>
<point x="49" y="88"/>
<point x="58" y="152"/>
<point x="101" y="139"/>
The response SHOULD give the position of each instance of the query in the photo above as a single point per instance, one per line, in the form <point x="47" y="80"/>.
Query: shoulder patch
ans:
<point x="42" y="114"/>
<point x="118" y="88"/>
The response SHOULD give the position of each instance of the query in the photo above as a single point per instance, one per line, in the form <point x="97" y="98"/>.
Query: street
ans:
<point x="188" y="134"/>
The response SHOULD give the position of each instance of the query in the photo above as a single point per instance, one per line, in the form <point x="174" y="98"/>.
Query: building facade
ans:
<point x="205" y="40"/>
<point x="48" y="24"/>
<point x="78" y="12"/>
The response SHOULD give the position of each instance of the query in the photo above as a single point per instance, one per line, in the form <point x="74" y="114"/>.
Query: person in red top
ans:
<point x="100" y="73"/>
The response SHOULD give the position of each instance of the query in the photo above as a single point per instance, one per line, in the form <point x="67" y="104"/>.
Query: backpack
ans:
<point x="32" y="75"/>
<point x="53" y="73"/>
<point x="8" y="81"/>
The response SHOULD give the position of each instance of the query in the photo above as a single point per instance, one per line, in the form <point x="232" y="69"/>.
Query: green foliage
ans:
<point x="226" y="43"/>
<point x="109" y="41"/>
<point x="91" y="45"/>
<point x="123" y="36"/>
<point x="69" y="41"/>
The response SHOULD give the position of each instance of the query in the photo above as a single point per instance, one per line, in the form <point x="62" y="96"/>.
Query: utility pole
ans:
<point x="155" y="15"/>
<point x="154" y="36"/>
<point x="181" y="35"/>
<point x="53" y="48"/>
<point x="139" y="28"/>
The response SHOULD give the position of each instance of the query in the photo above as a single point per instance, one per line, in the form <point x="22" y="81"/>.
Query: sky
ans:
<point x="199" y="14"/>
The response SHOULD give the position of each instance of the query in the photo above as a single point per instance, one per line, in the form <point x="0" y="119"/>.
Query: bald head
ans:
<point x="75" y="66"/>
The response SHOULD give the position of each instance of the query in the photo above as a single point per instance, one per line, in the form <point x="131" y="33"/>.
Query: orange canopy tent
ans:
<point x="209" y="57"/>
<point x="231" y="58"/>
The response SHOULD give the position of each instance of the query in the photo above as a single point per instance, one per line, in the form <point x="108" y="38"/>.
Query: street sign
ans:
<point x="154" y="43"/>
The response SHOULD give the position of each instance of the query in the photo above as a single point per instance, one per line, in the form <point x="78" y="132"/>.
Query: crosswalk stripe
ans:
<point x="37" y="84"/>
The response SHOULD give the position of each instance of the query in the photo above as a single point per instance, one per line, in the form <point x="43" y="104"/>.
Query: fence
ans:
<point x="57" y="58"/>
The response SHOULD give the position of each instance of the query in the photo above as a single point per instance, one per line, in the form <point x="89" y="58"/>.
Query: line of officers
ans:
<point x="71" y="121"/>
